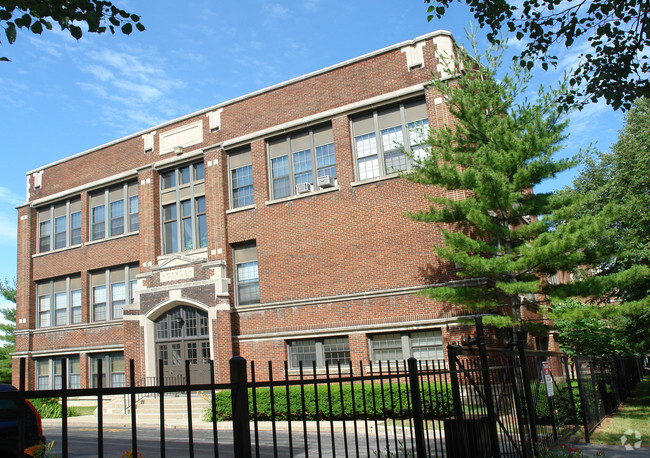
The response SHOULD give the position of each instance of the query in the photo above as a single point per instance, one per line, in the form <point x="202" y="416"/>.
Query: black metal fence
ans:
<point x="479" y="402"/>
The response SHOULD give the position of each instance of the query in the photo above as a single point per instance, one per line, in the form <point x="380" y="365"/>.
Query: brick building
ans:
<point x="269" y="226"/>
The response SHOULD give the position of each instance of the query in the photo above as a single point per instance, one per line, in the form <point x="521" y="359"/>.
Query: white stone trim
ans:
<point x="356" y="296"/>
<point x="71" y="327"/>
<point x="69" y="351"/>
<point x="346" y="330"/>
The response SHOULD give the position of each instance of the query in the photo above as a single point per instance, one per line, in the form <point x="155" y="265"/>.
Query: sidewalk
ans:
<point x="610" y="451"/>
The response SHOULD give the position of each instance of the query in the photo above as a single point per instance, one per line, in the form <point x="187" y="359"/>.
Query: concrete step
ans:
<point x="148" y="410"/>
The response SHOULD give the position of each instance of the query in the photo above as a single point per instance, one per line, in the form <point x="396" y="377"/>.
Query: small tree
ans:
<point x="497" y="149"/>
<point x="8" y="291"/>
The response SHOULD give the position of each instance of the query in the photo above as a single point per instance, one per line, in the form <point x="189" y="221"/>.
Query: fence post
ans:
<point x="570" y="388"/>
<point x="21" y="409"/>
<point x="416" y="402"/>
<point x="64" y="406"/>
<point x="452" y="353"/>
<point x="241" y="431"/>
<point x="530" y="406"/>
<point x="487" y="386"/>
<point x="583" y="399"/>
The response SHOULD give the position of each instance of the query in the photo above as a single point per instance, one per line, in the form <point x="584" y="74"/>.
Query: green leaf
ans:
<point x="37" y="28"/>
<point x="75" y="31"/>
<point x="140" y="27"/>
<point x="4" y="59"/>
<point x="127" y="29"/>
<point x="10" y="32"/>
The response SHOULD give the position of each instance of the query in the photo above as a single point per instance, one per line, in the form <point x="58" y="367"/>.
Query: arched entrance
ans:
<point x="182" y="334"/>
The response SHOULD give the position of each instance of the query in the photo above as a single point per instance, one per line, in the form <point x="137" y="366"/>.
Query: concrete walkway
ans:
<point x="610" y="451"/>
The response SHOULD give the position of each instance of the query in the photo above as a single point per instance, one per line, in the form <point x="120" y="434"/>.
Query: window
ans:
<point x="112" y="370"/>
<point x="110" y="293"/>
<point x="379" y="138"/>
<point x="49" y="373"/>
<point x="108" y="211"/>
<point x="241" y="178"/>
<point x="183" y="209"/>
<point x="44" y="237"/>
<point x="133" y="214"/>
<point x="246" y="275"/>
<point x="422" y="345"/>
<point x="297" y="160"/>
<point x="59" y="301"/>
<point x="325" y="352"/>
<point x="43" y="311"/>
<point x="60" y="231"/>
<point x="65" y="218"/>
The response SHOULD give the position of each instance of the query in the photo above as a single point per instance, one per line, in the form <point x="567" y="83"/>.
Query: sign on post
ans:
<point x="547" y="378"/>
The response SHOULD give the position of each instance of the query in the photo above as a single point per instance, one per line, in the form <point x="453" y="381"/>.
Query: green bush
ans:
<point x="50" y="408"/>
<point x="391" y="402"/>
<point x="562" y="405"/>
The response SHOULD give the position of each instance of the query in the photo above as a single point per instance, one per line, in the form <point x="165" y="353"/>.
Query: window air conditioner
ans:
<point x="326" y="181"/>
<point x="302" y="188"/>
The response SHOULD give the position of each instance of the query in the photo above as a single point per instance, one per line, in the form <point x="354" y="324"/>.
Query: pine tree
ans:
<point x="494" y="153"/>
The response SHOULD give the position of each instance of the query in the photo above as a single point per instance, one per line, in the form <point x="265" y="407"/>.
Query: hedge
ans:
<point x="562" y="405"/>
<point x="51" y="408"/>
<point x="392" y="402"/>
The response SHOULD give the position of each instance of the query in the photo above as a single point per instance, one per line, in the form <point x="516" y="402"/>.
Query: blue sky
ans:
<point x="60" y="96"/>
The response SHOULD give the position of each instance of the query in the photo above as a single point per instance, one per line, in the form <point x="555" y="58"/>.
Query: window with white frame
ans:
<point x="182" y="197"/>
<point x="59" y="301"/>
<point x="111" y="290"/>
<point x="112" y="370"/>
<point x="241" y="178"/>
<point x="398" y="346"/>
<point x="49" y="373"/>
<point x="328" y="351"/>
<point x="59" y="225"/>
<point x="114" y="211"/>
<point x="298" y="160"/>
<point x="378" y="138"/>
<point x="247" y="283"/>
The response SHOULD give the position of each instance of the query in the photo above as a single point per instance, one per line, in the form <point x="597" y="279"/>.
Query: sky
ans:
<point x="60" y="96"/>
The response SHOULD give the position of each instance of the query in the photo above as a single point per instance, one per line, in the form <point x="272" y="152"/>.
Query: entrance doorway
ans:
<point x="181" y="334"/>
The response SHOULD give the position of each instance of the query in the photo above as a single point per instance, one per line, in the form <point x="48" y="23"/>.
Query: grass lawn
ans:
<point x="85" y="410"/>
<point x="633" y="415"/>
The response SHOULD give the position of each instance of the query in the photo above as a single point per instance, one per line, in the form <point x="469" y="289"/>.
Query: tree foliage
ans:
<point x="621" y="179"/>
<point x="8" y="291"/>
<point x="37" y="15"/>
<point x="492" y="156"/>
<point x="582" y="331"/>
<point x="614" y="67"/>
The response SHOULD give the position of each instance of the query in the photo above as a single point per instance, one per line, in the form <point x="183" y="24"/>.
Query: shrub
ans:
<point x="337" y="402"/>
<point x="50" y="408"/>
<point x="562" y="406"/>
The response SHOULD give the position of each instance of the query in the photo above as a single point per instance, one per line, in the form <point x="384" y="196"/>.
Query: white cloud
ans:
<point x="275" y="10"/>
<point x="311" y="5"/>
<point x="8" y="225"/>
<point x="144" y="92"/>
<point x="10" y="198"/>
<point x="100" y="72"/>
<point x="133" y="84"/>
<point x="571" y="57"/>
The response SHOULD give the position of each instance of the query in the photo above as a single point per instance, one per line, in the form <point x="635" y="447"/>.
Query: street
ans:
<point x="82" y="442"/>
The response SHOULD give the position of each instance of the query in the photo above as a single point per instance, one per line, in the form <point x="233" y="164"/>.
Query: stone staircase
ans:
<point x="148" y="411"/>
